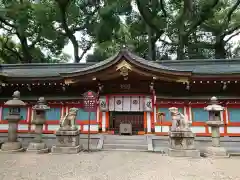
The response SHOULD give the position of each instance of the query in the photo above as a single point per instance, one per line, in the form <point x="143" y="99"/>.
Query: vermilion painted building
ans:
<point x="131" y="89"/>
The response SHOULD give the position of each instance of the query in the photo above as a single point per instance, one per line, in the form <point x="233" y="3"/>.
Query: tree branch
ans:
<point x="4" y="21"/>
<point x="70" y="34"/>
<point x="163" y="8"/>
<point x="147" y="17"/>
<point x="5" y="28"/>
<point x="234" y="7"/>
<point x="37" y="39"/>
<point x="201" y="44"/>
<point x="86" y="49"/>
<point x="89" y="18"/>
<point x="231" y="30"/>
<point x="168" y="43"/>
<point x="11" y="50"/>
<point x="203" y="17"/>
<point x="233" y="35"/>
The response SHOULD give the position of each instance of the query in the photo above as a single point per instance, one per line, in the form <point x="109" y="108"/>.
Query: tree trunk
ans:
<point x="70" y="34"/>
<point x="180" y="48"/>
<point x="75" y="47"/>
<point x="151" y="45"/>
<point x="27" y="57"/>
<point x="220" y="51"/>
<point x="152" y="38"/>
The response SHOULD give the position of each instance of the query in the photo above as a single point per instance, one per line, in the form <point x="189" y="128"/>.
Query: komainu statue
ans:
<point x="68" y="122"/>
<point x="179" y="121"/>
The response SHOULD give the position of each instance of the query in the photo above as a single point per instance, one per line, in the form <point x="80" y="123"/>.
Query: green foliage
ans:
<point x="33" y="25"/>
<point x="38" y="31"/>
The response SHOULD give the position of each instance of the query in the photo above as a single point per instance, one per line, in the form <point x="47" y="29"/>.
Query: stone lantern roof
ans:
<point x="41" y="105"/>
<point x="16" y="100"/>
<point x="214" y="106"/>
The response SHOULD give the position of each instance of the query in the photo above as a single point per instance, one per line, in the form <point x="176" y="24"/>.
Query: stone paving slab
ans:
<point x="115" y="166"/>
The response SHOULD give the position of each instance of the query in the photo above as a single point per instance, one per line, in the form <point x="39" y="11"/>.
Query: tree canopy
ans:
<point x="34" y="31"/>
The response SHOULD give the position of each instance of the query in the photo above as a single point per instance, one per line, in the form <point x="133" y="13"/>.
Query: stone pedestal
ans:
<point x="216" y="150"/>
<point x="67" y="141"/>
<point x="215" y="122"/>
<point x="182" y="144"/>
<point x="12" y="145"/>
<point x="37" y="145"/>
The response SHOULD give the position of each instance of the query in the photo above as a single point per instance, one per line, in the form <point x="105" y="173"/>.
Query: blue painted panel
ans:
<point x="199" y="114"/>
<point x="83" y="115"/>
<point x="167" y="113"/>
<point x="234" y="114"/>
<point x="23" y="113"/>
<point x="53" y="114"/>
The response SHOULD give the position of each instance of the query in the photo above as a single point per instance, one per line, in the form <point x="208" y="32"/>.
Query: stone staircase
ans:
<point x="125" y="143"/>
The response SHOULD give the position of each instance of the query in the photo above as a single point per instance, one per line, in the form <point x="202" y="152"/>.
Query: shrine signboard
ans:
<point x="89" y="101"/>
<point x="89" y="105"/>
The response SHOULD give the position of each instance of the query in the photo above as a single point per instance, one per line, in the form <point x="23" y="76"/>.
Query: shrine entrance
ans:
<point x="134" y="118"/>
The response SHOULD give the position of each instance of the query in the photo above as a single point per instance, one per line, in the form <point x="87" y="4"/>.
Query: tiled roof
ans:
<point x="205" y="66"/>
<point x="40" y="70"/>
<point x="202" y="67"/>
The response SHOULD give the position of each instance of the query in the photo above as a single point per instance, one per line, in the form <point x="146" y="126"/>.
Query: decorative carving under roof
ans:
<point x="124" y="68"/>
<point x="68" y="81"/>
<point x="124" y="64"/>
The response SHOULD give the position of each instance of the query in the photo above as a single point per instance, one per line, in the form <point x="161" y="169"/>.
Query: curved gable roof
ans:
<point x="125" y="55"/>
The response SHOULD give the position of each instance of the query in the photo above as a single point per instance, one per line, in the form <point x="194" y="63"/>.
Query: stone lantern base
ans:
<point x="216" y="152"/>
<point x="37" y="147"/>
<point x="67" y="142"/>
<point x="182" y="144"/>
<point x="12" y="147"/>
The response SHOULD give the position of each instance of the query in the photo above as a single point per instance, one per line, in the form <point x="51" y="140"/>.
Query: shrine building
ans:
<point x="130" y="90"/>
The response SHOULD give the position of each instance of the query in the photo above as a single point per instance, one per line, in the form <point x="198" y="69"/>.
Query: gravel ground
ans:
<point x="115" y="165"/>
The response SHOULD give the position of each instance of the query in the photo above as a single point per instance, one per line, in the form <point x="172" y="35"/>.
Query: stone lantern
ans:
<point x="37" y="145"/>
<point x="13" y="118"/>
<point x="215" y="123"/>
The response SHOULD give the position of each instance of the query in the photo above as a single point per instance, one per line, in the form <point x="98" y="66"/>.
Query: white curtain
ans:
<point x="118" y="103"/>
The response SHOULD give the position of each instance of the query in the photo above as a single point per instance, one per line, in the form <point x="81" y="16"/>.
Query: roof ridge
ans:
<point x="46" y="64"/>
<point x="198" y="60"/>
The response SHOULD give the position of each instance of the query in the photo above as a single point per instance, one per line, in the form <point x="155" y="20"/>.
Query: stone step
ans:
<point x="125" y="146"/>
<point x="132" y="150"/>
<point x="124" y="141"/>
<point x="116" y="137"/>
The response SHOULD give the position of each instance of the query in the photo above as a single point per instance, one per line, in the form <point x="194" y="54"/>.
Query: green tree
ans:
<point x="223" y="26"/>
<point x="74" y="17"/>
<point x="32" y="24"/>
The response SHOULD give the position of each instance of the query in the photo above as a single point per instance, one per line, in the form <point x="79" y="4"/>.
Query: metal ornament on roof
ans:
<point x="89" y="101"/>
